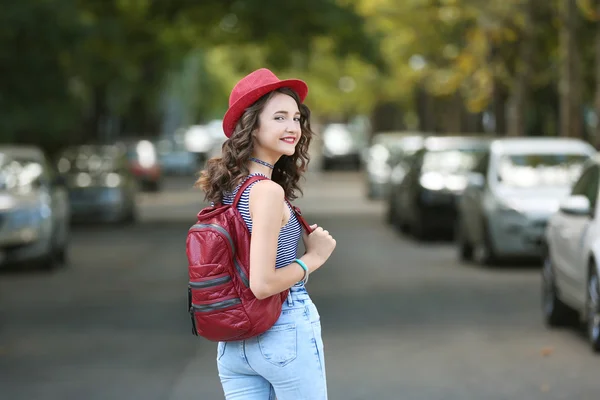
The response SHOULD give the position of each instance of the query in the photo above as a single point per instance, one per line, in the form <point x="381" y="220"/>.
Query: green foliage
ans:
<point x="34" y="88"/>
<point x="69" y="66"/>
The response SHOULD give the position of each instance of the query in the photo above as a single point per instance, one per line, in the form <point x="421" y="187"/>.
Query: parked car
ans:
<point x="425" y="200"/>
<point x="512" y="193"/>
<point x="386" y="150"/>
<point x="400" y="168"/>
<point x="571" y="267"/>
<point x="101" y="186"/>
<point x="142" y="157"/>
<point x="34" y="209"/>
<point x="174" y="158"/>
<point x="215" y="127"/>
<point x="342" y="145"/>
<point x="204" y="141"/>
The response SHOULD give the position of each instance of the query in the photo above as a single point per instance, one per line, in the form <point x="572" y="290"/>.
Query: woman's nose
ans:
<point x="293" y="126"/>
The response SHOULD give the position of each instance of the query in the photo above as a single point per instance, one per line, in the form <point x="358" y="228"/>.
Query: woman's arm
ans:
<point x="267" y="211"/>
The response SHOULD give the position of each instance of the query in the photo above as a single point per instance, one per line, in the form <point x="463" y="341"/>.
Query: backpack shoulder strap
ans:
<point x="300" y="218"/>
<point x="244" y="186"/>
<point x="257" y="178"/>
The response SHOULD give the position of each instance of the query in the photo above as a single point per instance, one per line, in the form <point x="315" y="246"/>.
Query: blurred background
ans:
<point x="454" y="162"/>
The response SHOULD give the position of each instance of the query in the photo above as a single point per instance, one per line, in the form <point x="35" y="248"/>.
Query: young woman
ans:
<point x="269" y="134"/>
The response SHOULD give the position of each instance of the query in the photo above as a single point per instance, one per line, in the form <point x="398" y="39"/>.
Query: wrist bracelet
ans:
<point x="305" y="268"/>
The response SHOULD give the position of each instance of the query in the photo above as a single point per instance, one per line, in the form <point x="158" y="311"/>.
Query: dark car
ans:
<point x="424" y="201"/>
<point x="101" y="186"/>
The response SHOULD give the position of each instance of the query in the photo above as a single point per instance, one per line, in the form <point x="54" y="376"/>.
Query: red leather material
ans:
<point x="301" y="219"/>
<point x="228" y="324"/>
<point x="213" y="293"/>
<point x="218" y="247"/>
<point x="200" y="272"/>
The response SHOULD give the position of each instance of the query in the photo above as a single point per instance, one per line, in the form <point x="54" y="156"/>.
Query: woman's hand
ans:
<point x="319" y="245"/>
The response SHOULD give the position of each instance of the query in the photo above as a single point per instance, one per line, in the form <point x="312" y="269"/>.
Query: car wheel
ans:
<point x="130" y="217"/>
<point x="358" y="164"/>
<point x="465" y="249"/>
<point x="55" y="258"/>
<point x="62" y="255"/>
<point x="371" y="195"/>
<point x="418" y="228"/>
<point x="399" y="222"/>
<point x="556" y="313"/>
<point x="154" y="186"/>
<point x="484" y="252"/>
<point x="390" y="215"/>
<point x="593" y="310"/>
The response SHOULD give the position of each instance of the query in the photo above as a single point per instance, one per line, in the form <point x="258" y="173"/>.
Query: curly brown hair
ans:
<point x="222" y="174"/>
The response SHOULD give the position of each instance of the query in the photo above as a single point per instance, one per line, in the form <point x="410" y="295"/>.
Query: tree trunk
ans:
<point x="387" y="117"/>
<point x="93" y="126"/>
<point x="517" y="124"/>
<point x="425" y="110"/>
<point x="499" y="104"/>
<point x="142" y="117"/>
<point x="571" y="122"/>
<point x="450" y="114"/>
<point x="471" y="122"/>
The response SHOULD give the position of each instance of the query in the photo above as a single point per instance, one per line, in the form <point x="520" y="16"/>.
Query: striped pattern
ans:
<point x="289" y="235"/>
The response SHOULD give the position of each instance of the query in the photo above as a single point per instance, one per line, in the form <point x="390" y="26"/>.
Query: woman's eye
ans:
<point x="297" y="119"/>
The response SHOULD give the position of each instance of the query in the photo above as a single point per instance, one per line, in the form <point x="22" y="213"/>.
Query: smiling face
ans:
<point x="278" y="129"/>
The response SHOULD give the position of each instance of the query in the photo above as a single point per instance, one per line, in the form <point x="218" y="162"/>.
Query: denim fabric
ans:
<point x="284" y="363"/>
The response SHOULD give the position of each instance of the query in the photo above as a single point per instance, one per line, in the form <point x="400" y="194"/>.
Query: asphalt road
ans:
<point x="401" y="319"/>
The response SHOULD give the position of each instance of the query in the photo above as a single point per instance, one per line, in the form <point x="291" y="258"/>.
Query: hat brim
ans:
<point x="236" y="110"/>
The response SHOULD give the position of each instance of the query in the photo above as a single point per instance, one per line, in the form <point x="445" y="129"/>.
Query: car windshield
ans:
<point x="18" y="172"/>
<point x="388" y="140"/>
<point x="539" y="170"/>
<point x="89" y="160"/>
<point x="453" y="161"/>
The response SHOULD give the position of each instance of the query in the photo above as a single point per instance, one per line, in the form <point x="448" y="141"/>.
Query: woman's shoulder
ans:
<point x="241" y="180"/>
<point x="267" y="188"/>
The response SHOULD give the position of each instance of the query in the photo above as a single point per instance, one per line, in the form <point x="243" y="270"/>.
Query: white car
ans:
<point x="342" y="144"/>
<point x="570" y="273"/>
<point x="512" y="193"/>
<point x="386" y="151"/>
<point x="204" y="141"/>
<point x="34" y="208"/>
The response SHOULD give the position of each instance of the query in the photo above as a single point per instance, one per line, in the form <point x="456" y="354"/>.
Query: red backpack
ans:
<point x="221" y="305"/>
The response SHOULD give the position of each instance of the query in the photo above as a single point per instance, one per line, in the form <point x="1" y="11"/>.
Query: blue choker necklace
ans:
<point x="266" y="164"/>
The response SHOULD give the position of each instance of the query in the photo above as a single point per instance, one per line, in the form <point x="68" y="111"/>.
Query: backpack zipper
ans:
<point x="215" y="306"/>
<point x="210" y="283"/>
<point x="191" y="311"/>
<point x="222" y="231"/>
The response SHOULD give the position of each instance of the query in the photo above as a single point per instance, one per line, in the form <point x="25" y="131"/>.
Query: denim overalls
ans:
<point x="286" y="362"/>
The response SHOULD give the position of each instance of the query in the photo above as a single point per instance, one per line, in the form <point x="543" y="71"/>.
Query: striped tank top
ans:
<point x="289" y="235"/>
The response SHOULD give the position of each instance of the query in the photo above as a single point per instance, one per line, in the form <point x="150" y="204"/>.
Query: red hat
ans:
<point x="251" y="88"/>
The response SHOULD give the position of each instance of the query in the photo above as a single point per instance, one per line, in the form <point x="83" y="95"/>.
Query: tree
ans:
<point x="97" y="67"/>
<point x="571" y="123"/>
